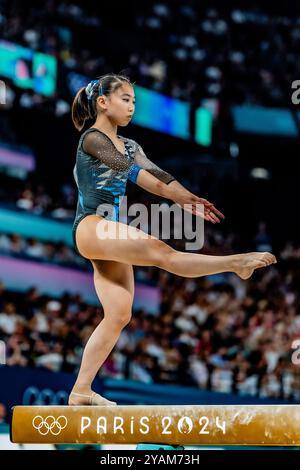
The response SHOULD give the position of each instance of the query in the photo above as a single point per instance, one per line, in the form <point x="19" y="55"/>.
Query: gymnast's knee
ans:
<point x="119" y="317"/>
<point x="161" y="253"/>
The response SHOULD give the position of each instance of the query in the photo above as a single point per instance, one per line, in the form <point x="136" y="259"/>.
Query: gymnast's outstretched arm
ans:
<point x="167" y="186"/>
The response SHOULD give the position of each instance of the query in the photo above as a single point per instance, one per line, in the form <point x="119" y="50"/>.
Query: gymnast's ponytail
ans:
<point x="81" y="109"/>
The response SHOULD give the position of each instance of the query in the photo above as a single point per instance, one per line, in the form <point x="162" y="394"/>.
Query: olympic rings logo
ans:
<point x="49" y="424"/>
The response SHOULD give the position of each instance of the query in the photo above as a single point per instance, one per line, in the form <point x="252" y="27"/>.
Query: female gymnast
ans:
<point x="104" y="162"/>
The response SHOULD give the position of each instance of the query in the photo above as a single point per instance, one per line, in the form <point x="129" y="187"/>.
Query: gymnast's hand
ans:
<point x="208" y="212"/>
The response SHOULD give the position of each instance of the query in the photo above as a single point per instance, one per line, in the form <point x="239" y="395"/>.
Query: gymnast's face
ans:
<point x="119" y="106"/>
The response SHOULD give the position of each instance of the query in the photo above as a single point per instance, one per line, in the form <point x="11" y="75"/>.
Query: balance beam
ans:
<point x="252" y="425"/>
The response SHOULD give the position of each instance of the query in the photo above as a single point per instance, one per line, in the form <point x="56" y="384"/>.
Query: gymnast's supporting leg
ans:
<point x="114" y="284"/>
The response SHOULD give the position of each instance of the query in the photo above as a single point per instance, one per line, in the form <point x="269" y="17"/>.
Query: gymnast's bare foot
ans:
<point x="92" y="399"/>
<point x="246" y="263"/>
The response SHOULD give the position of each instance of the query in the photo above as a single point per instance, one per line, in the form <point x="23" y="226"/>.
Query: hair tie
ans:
<point x="89" y="89"/>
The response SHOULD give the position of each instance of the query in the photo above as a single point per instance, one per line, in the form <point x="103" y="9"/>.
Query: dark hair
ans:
<point x="84" y="108"/>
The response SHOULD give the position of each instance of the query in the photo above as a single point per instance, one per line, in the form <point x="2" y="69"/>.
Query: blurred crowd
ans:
<point x="217" y="333"/>
<point x="31" y="248"/>
<point x="204" y="52"/>
<point x="186" y="50"/>
<point x="39" y="198"/>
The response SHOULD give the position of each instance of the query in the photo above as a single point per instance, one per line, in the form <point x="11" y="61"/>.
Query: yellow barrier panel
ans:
<point x="255" y="425"/>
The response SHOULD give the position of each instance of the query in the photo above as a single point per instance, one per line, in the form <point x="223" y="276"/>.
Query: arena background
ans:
<point x="214" y="86"/>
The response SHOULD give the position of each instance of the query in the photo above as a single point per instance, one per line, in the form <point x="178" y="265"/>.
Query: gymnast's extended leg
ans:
<point x="138" y="248"/>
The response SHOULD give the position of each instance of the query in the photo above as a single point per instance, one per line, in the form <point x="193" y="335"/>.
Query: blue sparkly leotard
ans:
<point x="101" y="173"/>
